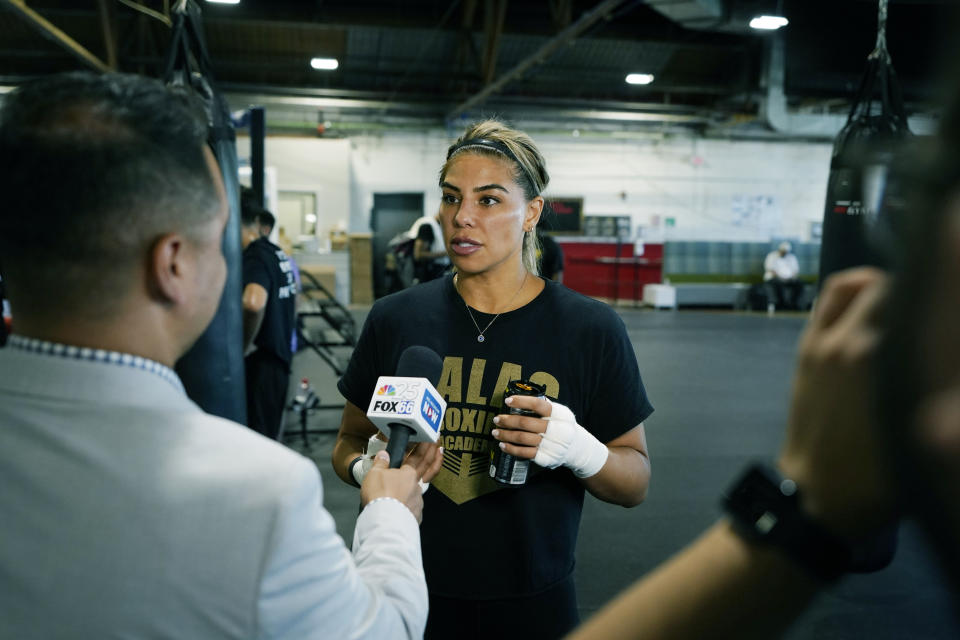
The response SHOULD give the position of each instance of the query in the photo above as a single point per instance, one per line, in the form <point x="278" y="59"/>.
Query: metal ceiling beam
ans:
<point x="108" y="22"/>
<point x="561" y="11"/>
<point x="494" y="13"/>
<point x="48" y="30"/>
<point x="467" y="44"/>
<point x="560" y="111"/>
<point x="258" y="93"/>
<point x="566" y="36"/>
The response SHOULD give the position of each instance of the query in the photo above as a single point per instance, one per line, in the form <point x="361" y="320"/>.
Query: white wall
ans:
<point x="308" y="164"/>
<point x="395" y="163"/>
<point x="713" y="189"/>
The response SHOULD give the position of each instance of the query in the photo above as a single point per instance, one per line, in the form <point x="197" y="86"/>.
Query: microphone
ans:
<point x="407" y="407"/>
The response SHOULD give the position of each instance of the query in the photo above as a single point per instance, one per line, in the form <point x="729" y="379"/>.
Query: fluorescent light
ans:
<point x="327" y="64"/>
<point x="224" y="1"/>
<point x="640" y="78"/>
<point x="310" y="217"/>
<point x="769" y="23"/>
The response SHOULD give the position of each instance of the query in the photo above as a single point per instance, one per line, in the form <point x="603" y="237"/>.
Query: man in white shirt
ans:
<point x="780" y="270"/>
<point x="127" y="511"/>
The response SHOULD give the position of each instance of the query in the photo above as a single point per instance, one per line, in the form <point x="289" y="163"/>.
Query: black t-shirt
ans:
<point x="266" y="264"/>
<point x="480" y="540"/>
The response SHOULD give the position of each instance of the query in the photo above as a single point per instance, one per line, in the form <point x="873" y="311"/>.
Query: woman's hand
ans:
<point x="552" y="440"/>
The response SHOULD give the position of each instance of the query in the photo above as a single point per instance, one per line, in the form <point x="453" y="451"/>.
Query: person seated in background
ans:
<point x="873" y="435"/>
<point x="430" y="258"/>
<point x="127" y="511"/>
<point x="780" y="271"/>
<point x="269" y="321"/>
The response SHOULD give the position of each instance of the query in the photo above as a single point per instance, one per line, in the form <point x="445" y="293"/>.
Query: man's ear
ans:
<point x="167" y="269"/>
<point x="534" y="210"/>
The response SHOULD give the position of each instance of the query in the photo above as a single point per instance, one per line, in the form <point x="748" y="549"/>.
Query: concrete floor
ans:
<point x="720" y="384"/>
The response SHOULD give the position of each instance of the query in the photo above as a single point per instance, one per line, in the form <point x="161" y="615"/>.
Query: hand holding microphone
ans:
<point x="382" y="482"/>
<point x="407" y="407"/>
<point x="404" y="407"/>
<point x="420" y="457"/>
<point x="551" y="441"/>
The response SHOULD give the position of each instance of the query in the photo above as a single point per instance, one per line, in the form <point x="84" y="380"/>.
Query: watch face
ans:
<point x="757" y="499"/>
<point x="764" y="507"/>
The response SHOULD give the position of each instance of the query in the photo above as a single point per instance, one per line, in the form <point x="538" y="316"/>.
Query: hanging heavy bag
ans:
<point x="862" y="155"/>
<point x="212" y="371"/>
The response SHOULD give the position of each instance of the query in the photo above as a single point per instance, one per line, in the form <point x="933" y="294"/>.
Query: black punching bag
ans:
<point x="212" y="371"/>
<point x="862" y="155"/>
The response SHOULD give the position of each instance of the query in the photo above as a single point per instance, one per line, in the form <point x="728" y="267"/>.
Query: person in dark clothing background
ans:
<point x="550" y="255"/>
<point x="429" y="255"/>
<point x="269" y="294"/>
<point x="266" y="222"/>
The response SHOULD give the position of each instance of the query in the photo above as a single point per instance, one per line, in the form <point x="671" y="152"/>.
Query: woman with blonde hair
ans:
<point x="499" y="557"/>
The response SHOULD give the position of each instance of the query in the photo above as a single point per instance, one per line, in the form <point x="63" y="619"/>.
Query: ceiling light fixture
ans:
<point x="639" y="78"/>
<point x="325" y="64"/>
<point x="224" y="1"/>
<point x="768" y="23"/>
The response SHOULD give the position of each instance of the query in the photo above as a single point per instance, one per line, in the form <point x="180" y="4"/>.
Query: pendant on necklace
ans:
<point x="480" y="338"/>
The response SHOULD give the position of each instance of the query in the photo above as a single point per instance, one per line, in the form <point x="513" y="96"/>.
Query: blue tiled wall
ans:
<point x="732" y="258"/>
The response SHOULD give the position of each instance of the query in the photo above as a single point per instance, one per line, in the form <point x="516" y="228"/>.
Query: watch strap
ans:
<point x="765" y="508"/>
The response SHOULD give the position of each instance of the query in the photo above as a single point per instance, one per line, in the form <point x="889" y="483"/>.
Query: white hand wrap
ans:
<point x="567" y="443"/>
<point x="362" y="468"/>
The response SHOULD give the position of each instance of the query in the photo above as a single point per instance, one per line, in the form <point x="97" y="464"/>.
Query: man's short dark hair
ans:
<point x="95" y="168"/>
<point x="250" y="213"/>
<point x="267" y="219"/>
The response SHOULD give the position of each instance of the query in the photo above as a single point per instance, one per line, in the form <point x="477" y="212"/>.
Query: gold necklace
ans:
<point x="480" y="337"/>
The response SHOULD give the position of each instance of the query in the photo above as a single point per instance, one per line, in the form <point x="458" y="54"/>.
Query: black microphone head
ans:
<point x="418" y="361"/>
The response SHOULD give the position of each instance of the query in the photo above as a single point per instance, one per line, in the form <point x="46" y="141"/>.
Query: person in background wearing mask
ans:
<point x="780" y="271"/>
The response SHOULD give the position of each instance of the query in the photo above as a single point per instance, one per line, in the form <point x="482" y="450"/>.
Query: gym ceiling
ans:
<point x="562" y="63"/>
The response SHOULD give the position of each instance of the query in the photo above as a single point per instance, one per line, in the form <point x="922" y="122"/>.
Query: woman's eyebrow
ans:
<point x="490" y="186"/>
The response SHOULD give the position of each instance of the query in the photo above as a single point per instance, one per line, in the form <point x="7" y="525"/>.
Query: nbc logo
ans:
<point x="431" y="413"/>
<point x="387" y="390"/>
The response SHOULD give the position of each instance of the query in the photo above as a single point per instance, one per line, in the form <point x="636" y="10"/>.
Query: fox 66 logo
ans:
<point x="401" y="407"/>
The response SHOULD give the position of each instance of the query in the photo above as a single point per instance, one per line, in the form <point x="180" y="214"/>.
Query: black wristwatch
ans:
<point x="765" y="509"/>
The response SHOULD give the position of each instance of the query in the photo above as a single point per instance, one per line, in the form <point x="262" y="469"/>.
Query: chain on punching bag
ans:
<point x="862" y="154"/>
<point x="212" y="371"/>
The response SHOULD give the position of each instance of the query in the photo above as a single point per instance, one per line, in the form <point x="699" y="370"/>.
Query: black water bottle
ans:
<point x="504" y="468"/>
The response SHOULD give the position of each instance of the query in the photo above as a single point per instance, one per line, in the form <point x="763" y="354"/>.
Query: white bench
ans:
<point x="712" y="294"/>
